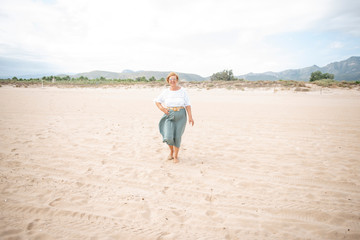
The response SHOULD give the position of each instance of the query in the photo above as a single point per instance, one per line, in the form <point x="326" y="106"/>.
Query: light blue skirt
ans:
<point x="172" y="127"/>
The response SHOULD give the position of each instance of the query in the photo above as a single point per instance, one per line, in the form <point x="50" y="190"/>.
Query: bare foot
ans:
<point x="176" y="160"/>
<point x="170" y="157"/>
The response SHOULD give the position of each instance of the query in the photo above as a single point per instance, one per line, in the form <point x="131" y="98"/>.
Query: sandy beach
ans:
<point x="89" y="163"/>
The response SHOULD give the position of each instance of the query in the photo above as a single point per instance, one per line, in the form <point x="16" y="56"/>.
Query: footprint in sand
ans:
<point x="80" y="184"/>
<point x="164" y="190"/>
<point x="210" y="213"/>
<point x="180" y="216"/>
<point x="79" y="200"/>
<point x="10" y="233"/>
<point x="55" y="202"/>
<point x="31" y="225"/>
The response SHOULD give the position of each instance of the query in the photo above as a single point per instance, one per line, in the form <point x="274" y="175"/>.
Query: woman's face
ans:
<point x="173" y="81"/>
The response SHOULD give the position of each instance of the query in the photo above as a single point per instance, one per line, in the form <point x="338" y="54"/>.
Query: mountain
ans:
<point x="129" y="74"/>
<point x="348" y="70"/>
<point x="345" y="70"/>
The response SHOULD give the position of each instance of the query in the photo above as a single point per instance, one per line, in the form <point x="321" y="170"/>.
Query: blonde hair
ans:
<point x="170" y="75"/>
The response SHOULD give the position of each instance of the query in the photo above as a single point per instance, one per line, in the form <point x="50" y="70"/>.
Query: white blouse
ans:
<point x="178" y="98"/>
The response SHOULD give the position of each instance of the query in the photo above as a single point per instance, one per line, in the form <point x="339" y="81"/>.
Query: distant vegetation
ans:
<point x="318" y="75"/>
<point x="225" y="75"/>
<point x="78" y="81"/>
<point x="346" y="70"/>
<point x="224" y="79"/>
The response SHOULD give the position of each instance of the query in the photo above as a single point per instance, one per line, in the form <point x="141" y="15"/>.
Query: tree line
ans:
<point x="84" y="78"/>
<point x="318" y="75"/>
<point x="225" y="75"/>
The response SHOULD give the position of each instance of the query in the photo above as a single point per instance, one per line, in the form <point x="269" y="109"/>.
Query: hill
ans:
<point x="348" y="70"/>
<point x="129" y="74"/>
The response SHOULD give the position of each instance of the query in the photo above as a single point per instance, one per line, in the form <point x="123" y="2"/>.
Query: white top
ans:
<point x="178" y="98"/>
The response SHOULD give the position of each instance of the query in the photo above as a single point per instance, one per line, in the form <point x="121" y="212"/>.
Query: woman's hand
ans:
<point x="165" y="110"/>
<point x="191" y="121"/>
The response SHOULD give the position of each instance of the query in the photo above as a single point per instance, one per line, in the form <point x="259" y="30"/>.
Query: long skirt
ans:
<point x="172" y="127"/>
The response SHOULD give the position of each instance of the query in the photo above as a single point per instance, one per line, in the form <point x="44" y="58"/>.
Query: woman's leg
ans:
<point x="171" y="156"/>
<point x="176" y="160"/>
<point x="179" y="130"/>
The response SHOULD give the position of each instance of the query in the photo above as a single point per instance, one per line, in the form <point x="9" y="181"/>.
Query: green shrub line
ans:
<point x="228" y="84"/>
<point x="224" y="79"/>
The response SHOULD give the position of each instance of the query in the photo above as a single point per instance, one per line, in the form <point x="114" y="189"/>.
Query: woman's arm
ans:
<point x="191" y="120"/>
<point x="166" y="111"/>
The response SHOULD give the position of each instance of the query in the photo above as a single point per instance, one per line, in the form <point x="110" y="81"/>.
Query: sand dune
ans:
<point x="90" y="164"/>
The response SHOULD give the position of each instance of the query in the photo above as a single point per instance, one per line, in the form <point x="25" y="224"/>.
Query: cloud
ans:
<point x="10" y="67"/>
<point x="343" y="16"/>
<point x="336" y="45"/>
<point x="190" y="36"/>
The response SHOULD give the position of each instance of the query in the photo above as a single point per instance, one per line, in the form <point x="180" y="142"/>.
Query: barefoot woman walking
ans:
<point x="173" y="102"/>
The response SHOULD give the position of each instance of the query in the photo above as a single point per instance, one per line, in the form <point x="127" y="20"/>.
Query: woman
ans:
<point x="173" y="102"/>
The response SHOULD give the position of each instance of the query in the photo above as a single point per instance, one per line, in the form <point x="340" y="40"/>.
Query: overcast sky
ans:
<point x="192" y="36"/>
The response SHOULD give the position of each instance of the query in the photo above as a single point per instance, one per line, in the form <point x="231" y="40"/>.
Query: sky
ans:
<point x="190" y="36"/>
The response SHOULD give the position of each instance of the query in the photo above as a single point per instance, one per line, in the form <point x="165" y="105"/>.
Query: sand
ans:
<point x="258" y="164"/>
